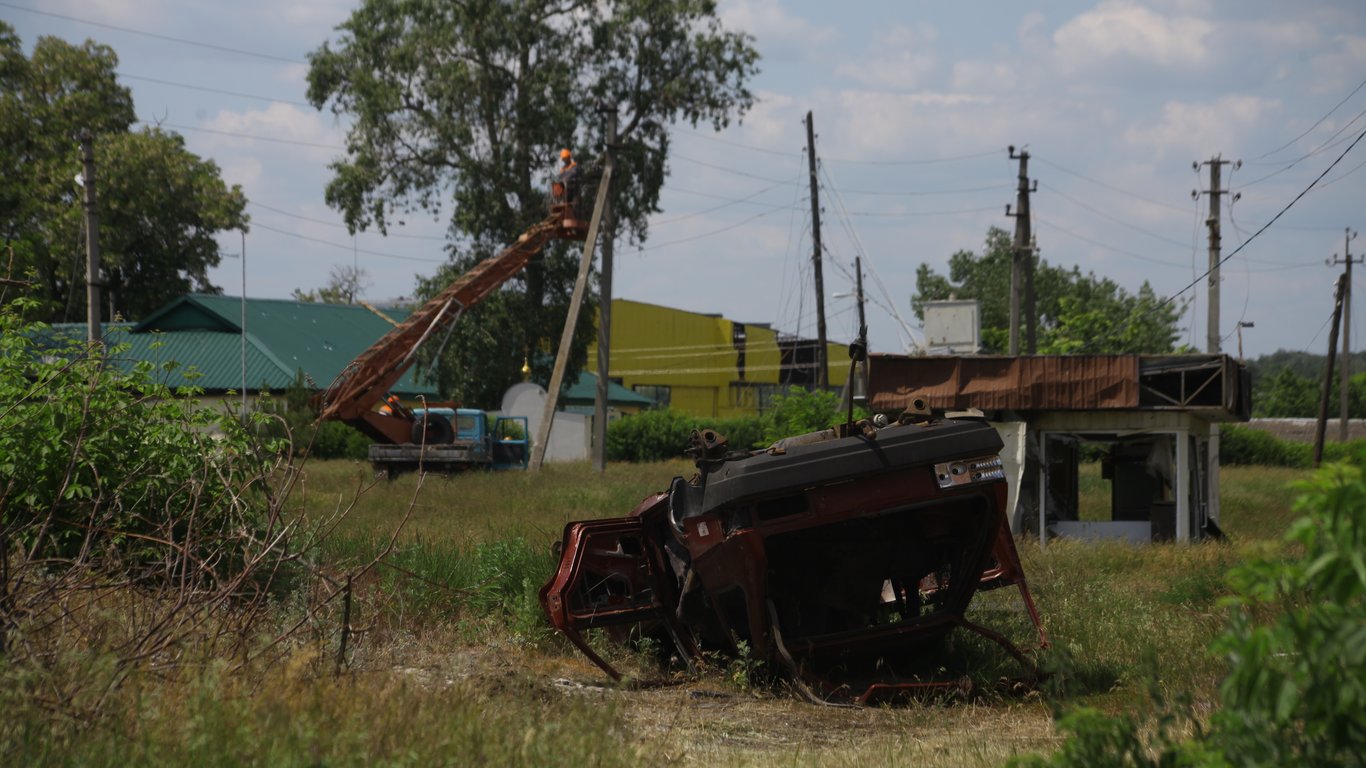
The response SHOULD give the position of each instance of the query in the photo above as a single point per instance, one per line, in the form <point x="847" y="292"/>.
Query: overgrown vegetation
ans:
<point x="1248" y="446"/>
<point x="663" y="434"/>
<point x="1295" y="646"/>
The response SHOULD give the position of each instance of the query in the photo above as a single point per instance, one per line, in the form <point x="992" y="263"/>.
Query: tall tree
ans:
<point x="159" y="205"/>
<point x="462" y="106"/>
<point x="1078" y="313"/>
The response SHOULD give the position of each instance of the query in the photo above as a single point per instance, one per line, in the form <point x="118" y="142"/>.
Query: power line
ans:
<point x="728" y="169"/>
<point x="1106" y="246"/>
<point x="751" y="147"/>
<point x="927" y="193"/>
<point x="1317" y="123"/>
<point x="727" y="204"/>
<point x="1256" y="234"/>
<point x="1116" y="220"/>
<point x="922" y="161"/>
<point x="346" y="247"/>
<point x="207" y="89"/>
<point x="727" y="228"/>
<point x="1110" y="187"/>
<point x="155" y="35"/>
<point x="335" y="225"/>
<point x="253" y="137"/>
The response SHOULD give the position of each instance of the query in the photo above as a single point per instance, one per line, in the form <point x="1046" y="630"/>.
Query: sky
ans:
<point x="914" y="105"/>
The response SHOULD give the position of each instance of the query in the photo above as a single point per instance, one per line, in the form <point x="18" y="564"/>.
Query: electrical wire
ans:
<point x="1254" y="236"/>
<point x="1110" y="187"/>
<point x="902" y="328"/>
<point x="1107" y="247"/>
<point x="1317" y="123"/>
<point x="1116" y="220"/>
<point x="335" y="225"/>
<point x="741" y="223"/>
<point x="728" y="169"/>
<point x="156" y="35"/>
<point x="253" y="137"/>
<point x="207" y="89"/>
<point x="345" y="247"/>
<point x="727" y="204"/>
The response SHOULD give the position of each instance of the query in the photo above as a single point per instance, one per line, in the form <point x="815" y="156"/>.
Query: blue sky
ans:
<point x="914" y="104"/>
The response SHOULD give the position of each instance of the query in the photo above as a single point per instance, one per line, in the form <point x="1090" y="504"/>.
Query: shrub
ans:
<point x="800" y="411"/>
<point x="1244" y="445"/>
<point x="649" y="436"/>
<point x="1295" y="693"/>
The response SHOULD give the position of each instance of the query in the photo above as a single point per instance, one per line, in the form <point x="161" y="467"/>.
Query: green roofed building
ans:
<point x="203" y="335"/>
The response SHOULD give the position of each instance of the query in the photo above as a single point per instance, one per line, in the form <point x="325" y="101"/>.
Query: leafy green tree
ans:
<point x="466" y="105"/>
<point x="1077" y="313"/>
<point x="159" y="205"/>
<point x="1286" y="394"/>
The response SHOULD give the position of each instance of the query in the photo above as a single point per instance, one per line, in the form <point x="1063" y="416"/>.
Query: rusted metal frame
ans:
<point x="1185" y="397"/>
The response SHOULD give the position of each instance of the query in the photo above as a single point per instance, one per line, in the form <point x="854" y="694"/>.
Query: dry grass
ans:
<point x="451" y="667"/>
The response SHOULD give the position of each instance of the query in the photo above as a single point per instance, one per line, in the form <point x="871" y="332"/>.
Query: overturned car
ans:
<point x="840" y="557"/>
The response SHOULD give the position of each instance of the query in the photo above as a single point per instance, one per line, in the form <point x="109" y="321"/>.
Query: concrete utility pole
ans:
<point x="1327" y="385"/>
<point x="552" y="395"/>
<point x="1022" y="260"/>
<point x="604" y="312"/>
<point x="823" y="373"/>
<point x="1215" y="164"/>
<point x="1345" y="372"/>
<point x="92" y="240"/>
<point x="862" y="321"/>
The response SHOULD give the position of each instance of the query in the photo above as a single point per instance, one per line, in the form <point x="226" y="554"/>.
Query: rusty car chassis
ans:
<point x="840" y="557"/>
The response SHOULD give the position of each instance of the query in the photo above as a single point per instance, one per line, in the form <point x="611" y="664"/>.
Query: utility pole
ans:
<point x="92" y="240"/>
<point x="823" y="372"/>
<point x="1345" y="372"/>
<point x="862" y="323"/>
<point x="1328" y="372"/>
<point x="1215" y="164"/>
<point x="552" y="395"/>
<point x="604" y="312"/>
<point x="1022" y="260"/>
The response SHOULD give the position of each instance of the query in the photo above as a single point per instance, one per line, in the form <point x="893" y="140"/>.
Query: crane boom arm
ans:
<point x="364" y="382"/>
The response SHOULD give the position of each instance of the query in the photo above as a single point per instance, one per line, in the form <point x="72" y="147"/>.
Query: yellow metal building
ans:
<point x="706" y="365"/>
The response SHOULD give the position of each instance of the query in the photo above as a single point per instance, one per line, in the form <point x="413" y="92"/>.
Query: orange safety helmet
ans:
<point x="565" y="154"/>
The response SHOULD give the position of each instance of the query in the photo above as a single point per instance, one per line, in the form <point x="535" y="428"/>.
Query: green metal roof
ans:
<point x="202" y="333"/>
<point x="584" y="390"/>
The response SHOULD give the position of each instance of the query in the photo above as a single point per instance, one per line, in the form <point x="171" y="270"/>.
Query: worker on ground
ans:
<point x="569" y="176"/>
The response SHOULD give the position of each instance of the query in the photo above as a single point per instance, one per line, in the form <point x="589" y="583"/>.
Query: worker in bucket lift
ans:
<point x="390" y="405"/>
<point x="569" y="176"/>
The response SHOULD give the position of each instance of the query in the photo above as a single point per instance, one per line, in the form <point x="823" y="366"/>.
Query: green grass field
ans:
<point x="450" y="662"/>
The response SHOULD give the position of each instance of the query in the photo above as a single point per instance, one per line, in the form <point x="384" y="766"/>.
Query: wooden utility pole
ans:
<point x="823" y="372"/>
<point x="862" y="323"/>
<point x="1345" y="371"/>
<point x="552" y="395"/>
<point x="1022" y="261"/>
<point x="604" y="311"/>
<point x="92" y="240"/>
<point x="1327" y="385"/>
<point x="1216" y="163"/>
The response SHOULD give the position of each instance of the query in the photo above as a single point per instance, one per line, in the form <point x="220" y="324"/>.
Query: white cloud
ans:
<point x="904" y="60"/>
<point x="1342" y="66"/>
<point x="1118" y="31"/>
<point x="1198" y="129"/>
<point x="284" y="122"/>
<point x="766" y="19"/>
